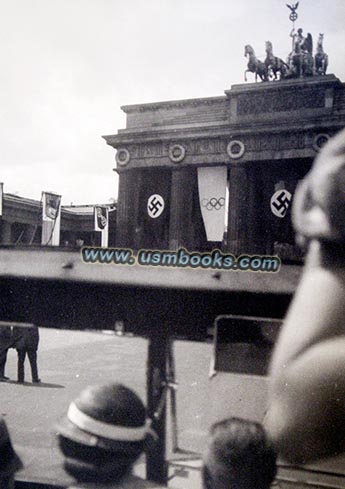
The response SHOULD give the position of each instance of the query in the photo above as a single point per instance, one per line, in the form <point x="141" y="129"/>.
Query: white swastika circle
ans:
<point x="280" y="202"/>
<point x="155" y="205"/>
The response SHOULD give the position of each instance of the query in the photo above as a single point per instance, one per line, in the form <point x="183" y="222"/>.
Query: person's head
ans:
<point x="300" y="31"/>
<point x="103" y="434"/>
<point x="238" y="456"/>
<point x="9" y="460"/>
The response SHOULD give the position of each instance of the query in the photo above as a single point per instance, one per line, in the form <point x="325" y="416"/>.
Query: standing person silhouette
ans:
<point x="6" y="342"/>
<point x="26" y="341"/>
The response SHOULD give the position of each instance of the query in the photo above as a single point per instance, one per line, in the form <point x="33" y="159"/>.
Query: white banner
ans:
<point x="101" y="223"/>
<point x="51" y="218"/>
<point x="212" y="182"/>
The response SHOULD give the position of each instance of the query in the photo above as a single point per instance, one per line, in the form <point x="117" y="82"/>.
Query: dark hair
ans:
<point x="92" y="464"/>
<point x="239" y="456"/>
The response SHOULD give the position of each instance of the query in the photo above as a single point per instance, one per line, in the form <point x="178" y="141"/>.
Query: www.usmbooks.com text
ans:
<point x="213" y="260"/>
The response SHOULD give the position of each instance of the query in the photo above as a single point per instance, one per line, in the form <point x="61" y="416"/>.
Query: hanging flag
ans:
<point x="101" y="220"/>
<point x="1" y="198"/>
<point x="279" y="198"/>
<point x="51" y="217"/>
<point x="154" y="209"/>
<point x="212" y="182"/>
<point x="51" y="206"/>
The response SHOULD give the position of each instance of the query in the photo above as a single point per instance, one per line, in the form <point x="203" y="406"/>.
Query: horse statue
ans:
<point x="254" y="65"/>
<point x="274" y="64"/>
<point x="321" y="58"/>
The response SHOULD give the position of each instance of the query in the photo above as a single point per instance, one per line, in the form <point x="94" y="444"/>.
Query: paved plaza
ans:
<point x="70" y="360"/>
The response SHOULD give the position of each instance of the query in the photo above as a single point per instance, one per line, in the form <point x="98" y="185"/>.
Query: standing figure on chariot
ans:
<point x="300" y="60"/>
<point x="297" y="39"/>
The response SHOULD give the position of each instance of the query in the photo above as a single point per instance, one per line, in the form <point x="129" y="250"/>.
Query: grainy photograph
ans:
<point x="172" y="208"/>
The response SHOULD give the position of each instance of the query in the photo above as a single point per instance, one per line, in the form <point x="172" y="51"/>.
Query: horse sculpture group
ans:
<point x="300" y="61"/>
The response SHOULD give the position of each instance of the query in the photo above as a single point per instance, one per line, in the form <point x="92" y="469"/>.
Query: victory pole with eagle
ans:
<point x="293" y="16"/>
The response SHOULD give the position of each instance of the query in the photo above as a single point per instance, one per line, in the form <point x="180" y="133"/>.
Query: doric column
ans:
<point x="126" y="209"/>
<point x="245" y="207"/>
<point x="5" y="232"/>
<point x="183" y="182"/>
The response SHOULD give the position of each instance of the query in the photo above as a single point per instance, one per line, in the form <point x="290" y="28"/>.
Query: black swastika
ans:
<point x="154" y="206"/>
<point x="281" y="203"/>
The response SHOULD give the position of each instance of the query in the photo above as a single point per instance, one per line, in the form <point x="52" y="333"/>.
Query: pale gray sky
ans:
<point x="68" y="65"/>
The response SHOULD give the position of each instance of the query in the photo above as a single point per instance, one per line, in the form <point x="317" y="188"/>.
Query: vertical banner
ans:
<point x="51" y="217"/>
<point x="212" y="183"/>
<point x="280" y="202"/>
<point x="101" y="217"/>
<point x="154" y="209"/>
<point x="1" y="198"/>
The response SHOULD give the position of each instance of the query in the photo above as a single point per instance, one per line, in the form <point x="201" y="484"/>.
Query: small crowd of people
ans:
<point x="25" y="340"/>
<point x="106" y="427"/>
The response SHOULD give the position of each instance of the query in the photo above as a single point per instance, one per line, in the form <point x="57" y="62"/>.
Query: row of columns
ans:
<point x="6" y="233"/>
<point x="243" y="219"/>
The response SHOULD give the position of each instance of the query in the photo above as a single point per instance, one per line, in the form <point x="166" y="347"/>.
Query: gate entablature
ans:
<point x="268" y="122"/>
<point x="175" y="112"/>
<point x="239" y="147"/>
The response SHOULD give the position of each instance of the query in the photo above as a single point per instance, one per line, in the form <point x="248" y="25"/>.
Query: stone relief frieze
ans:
<point x="161" y="149"/>
<point x="278" y="101"/>
<point x="218" y="146"/>
<point x="275" y="142"/>
<point x="206" y="146"/>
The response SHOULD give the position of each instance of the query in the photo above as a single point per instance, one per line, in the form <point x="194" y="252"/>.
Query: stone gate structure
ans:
<point x="261" y="137"/>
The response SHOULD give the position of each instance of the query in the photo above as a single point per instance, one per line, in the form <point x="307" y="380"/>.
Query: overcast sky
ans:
<point x="68" y="65"/>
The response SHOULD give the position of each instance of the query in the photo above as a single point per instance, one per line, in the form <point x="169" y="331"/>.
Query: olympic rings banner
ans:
<point x="212" y="182"/>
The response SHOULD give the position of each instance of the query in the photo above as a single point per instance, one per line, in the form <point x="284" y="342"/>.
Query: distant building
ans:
<point x="21" y="223"/>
